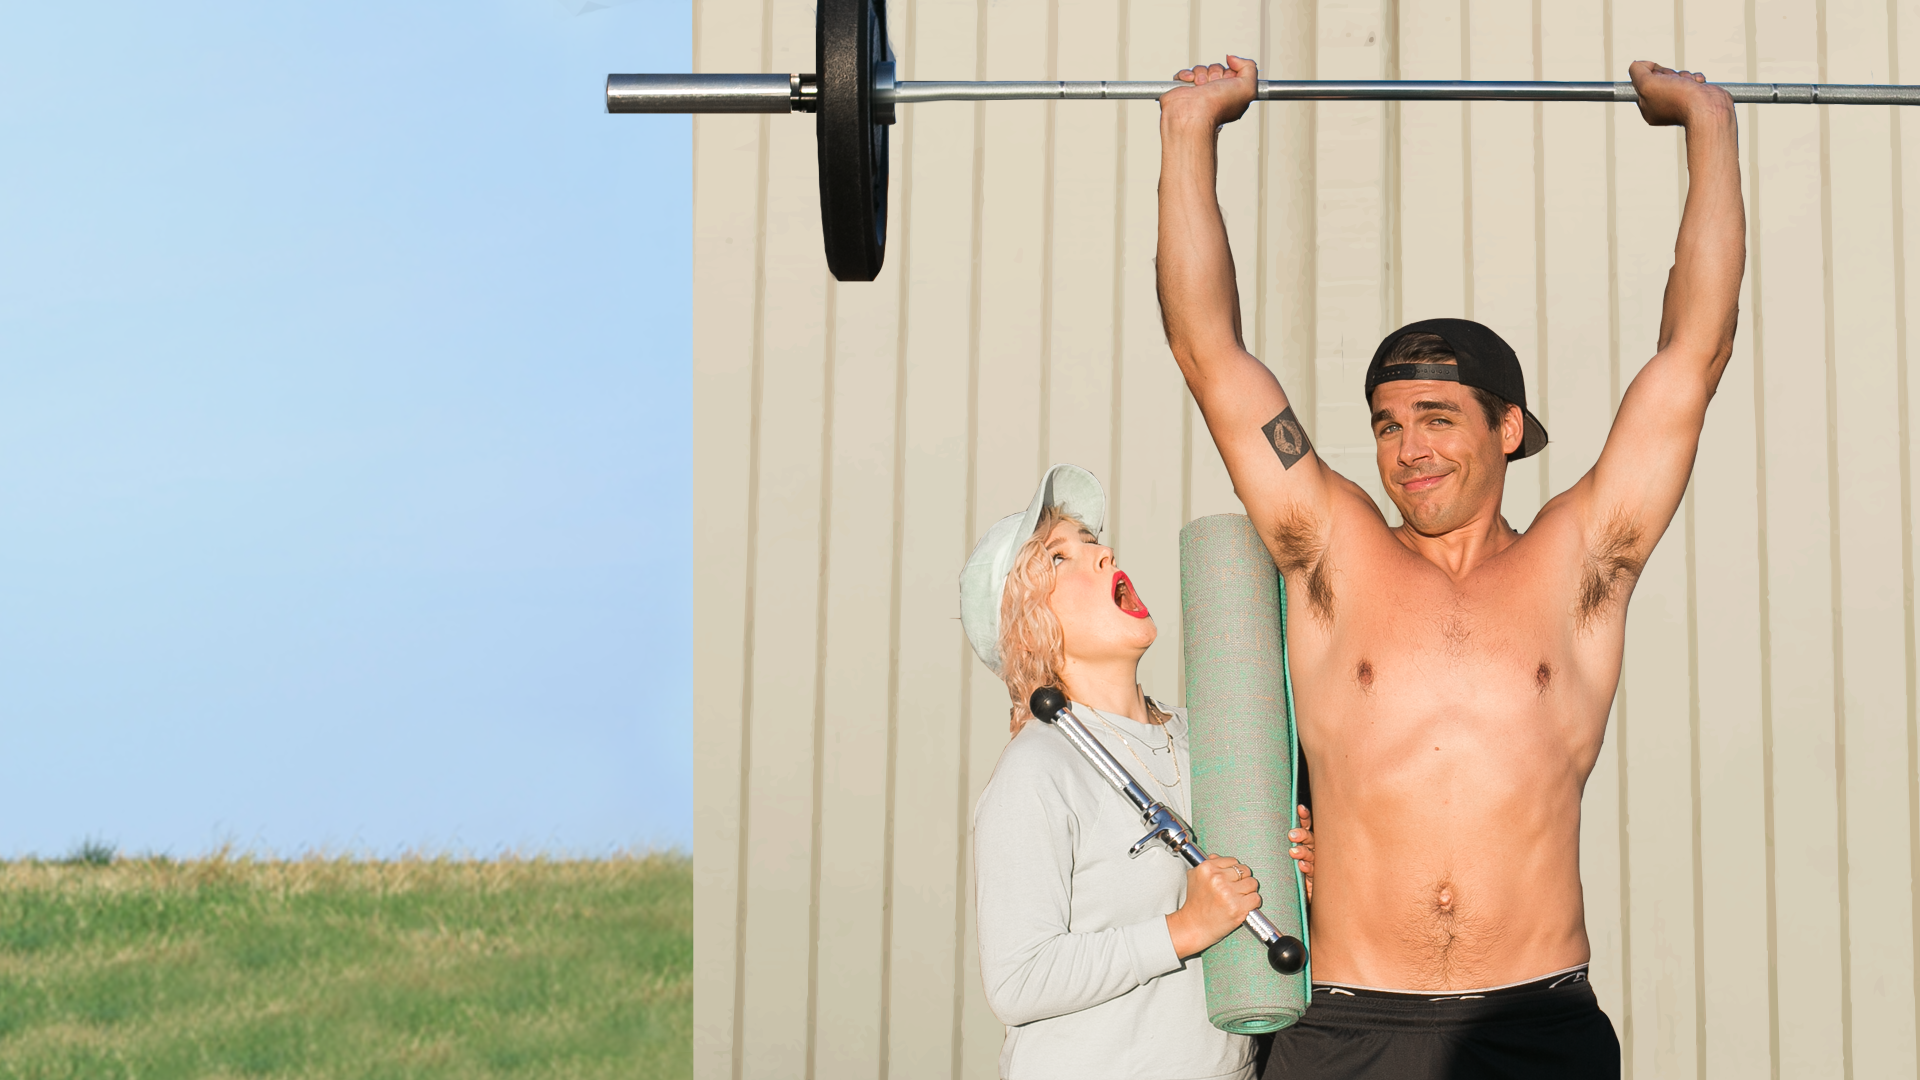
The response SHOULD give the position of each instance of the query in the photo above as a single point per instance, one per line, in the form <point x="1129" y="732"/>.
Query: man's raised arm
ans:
<point x="1274" y="469"/>
<point x="1635" y="487"/>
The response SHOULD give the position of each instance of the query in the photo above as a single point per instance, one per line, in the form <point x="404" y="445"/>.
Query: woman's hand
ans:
<point x="1220" y="892"/>
<point x="1302" y="852"/>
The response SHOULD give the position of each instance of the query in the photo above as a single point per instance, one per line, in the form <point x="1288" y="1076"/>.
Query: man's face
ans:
<point x="1441" y="464"/>
<point x="1101" y="617"/>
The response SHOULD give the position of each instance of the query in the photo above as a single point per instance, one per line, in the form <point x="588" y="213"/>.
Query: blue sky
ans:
<point x="343" y="428"/>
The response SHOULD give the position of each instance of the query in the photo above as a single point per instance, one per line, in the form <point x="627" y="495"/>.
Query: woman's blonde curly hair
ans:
<point x="1032" y="649"/>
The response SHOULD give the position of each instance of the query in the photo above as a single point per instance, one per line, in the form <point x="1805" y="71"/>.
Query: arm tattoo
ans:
<point x="1288" y="439"/>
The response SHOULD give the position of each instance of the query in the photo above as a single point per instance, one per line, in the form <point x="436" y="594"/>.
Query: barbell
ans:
<point x="854" y="96"/>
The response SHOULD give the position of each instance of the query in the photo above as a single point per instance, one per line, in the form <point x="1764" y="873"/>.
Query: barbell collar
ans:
<point x="885" y="92"/>
<point x="797" y="93"/>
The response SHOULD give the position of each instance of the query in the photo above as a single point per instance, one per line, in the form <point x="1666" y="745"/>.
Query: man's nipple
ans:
<point x="1364" y="675"/>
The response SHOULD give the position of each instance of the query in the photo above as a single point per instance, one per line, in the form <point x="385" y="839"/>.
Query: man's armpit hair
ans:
<point x="1299" y="551"/>
<point x="1613" y="564"/>
<point x="1286" y="436"/>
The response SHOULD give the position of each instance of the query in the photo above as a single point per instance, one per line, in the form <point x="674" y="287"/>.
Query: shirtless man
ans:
<point x="1453" y="674"/>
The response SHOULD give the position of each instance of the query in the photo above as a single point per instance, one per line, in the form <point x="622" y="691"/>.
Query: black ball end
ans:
<point x="1046" y="703"/>
<point x="1288" y="955"/>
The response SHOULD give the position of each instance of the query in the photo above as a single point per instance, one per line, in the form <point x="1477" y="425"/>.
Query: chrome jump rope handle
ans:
<point x="1285" y="954"/>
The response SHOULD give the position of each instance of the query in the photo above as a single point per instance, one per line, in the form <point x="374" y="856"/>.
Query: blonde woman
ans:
<point x="1086" y="953"/>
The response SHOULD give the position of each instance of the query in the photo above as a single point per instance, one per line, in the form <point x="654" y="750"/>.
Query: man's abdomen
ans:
<point x="1447" y="841"/>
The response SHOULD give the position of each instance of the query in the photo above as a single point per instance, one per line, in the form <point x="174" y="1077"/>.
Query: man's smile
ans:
<point x="1422" y="483"/>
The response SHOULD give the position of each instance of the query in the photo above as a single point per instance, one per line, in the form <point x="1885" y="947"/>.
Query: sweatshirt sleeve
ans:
<point x="1033" y="965"/>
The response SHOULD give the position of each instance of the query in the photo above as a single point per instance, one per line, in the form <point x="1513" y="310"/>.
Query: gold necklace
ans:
<point x="1128" y="743"/>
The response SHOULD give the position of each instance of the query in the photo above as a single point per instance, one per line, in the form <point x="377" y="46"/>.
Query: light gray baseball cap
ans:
<point x="1071" y="489"/>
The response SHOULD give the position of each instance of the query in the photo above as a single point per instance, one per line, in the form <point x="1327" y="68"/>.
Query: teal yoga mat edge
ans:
<point x="1293" y="792"/>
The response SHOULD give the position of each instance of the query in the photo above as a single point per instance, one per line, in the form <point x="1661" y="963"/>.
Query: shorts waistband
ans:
<point x="1555" y="980"/>
<point x="1563" y="995"/>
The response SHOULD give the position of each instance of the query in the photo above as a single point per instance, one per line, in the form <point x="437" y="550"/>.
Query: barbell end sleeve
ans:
<point x="700" y="93"/>
<point x="1288" y="955"/>
<point x="1046" y="703"/>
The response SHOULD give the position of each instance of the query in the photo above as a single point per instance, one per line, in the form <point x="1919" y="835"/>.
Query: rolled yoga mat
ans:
<point x="1243" y="751"/>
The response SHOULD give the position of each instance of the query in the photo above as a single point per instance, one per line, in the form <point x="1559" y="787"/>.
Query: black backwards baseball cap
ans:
<point x="1483" y="360"/>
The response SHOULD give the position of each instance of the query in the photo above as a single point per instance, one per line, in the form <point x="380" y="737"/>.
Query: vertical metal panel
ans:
<point x="852" y="718"/>
<point x="1079" y="343"/>
<point x="1355" y="250"/>
<point x="791" y="438"/>
<point x="1285" y="295"/>
<point x="1733" y="840"/>
<point x="937" y="534"/>
<point x="1869" y="527"/>
<point x="1014" y="235"/>
<point x="1660" y="1013"/>
<point x="1903" y="48"/>
<point x="1500" y="160"/>
<point x="1149" y="490"/>
<point x="1787" y="217"/>
<point x="1018" y="249"/>
<point x="1220" y="27"/>
<point x="1071" y="350"/>
<point x="1732" y="837"/>
<point x="1433" y="197"/>
<point x="852" y="441"/>
<point x="727" y="163"/>
<point x="1577" y="404"/>
<point x="978" y="1032"/>
<point x="1659" y="814"/>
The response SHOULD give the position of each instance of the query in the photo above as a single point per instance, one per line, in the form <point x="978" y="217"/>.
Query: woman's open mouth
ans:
<point x="1125" y="598"/>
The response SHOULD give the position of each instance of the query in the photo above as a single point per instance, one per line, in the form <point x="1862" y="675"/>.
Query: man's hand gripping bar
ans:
<point x="1285" y="953"/>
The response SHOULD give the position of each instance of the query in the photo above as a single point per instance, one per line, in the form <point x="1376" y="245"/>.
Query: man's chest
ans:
<point x="1392" y="601"/>
<point x="1497" y="658"/>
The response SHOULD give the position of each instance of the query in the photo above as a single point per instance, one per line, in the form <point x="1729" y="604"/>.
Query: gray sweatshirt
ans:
<point x="1074" y="948"/>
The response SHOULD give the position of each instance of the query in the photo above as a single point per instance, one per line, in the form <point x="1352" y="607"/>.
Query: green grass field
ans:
<point x="334" y="968"/>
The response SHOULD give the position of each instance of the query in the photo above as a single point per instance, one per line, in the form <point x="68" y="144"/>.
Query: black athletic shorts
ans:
<point x="1550" y="1027"/>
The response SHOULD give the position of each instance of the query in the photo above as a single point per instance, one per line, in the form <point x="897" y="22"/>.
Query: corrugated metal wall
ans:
<point x="1750" y="831"/>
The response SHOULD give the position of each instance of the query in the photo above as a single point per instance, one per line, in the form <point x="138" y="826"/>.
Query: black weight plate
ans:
<point x="850" y="37"/>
